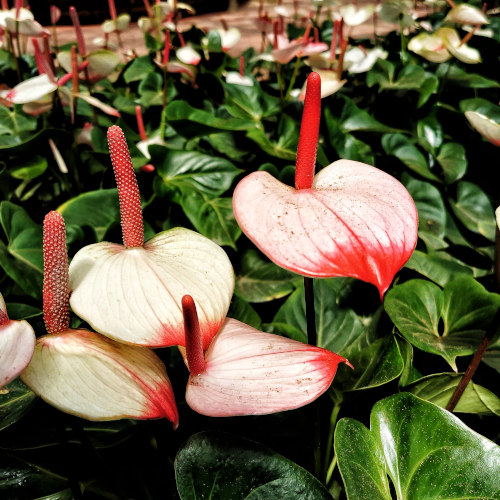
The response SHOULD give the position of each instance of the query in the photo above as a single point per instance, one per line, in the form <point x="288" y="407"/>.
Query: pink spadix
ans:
<point x="350" y="219"/>
<point x="249" y="372"/>
<point x="81" y="372"/>
<point x="132" y="293"/>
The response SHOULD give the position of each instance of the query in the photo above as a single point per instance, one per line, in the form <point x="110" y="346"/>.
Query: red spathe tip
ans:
<point x="309" y="132"/>
<point x="128" y="190"/>
<point x="192" y="332"/>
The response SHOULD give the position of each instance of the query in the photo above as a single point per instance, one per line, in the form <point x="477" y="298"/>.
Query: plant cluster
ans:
<point x="321" y="207"/>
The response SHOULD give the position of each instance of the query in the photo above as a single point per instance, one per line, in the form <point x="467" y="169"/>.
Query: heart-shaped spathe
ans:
<point x="354" y="221"/>
<point x="133" y="295"/>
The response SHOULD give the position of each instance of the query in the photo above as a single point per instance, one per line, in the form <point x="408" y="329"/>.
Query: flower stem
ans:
<point x="55" y="276"/>
<point x="192" y="333"/>
<point x="128" y="190"/>
<point x="309" y="132"/>
<point x="310" y="311"/>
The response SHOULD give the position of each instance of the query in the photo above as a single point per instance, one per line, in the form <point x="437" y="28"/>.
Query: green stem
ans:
<point x="402" y="39"/>
<point x="281" y="84"/>
<point x="329" y="443"/>
<point x="293" y="78"/>
<point x="164" y="104"/>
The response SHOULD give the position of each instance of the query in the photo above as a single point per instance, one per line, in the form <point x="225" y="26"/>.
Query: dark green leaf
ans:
<point x="464" y="78"/>
<point x="262" y="281"/>
<point x="217" y="466"/>
<point x="452" y="159"/>
<point x="185" y="170"/>
<point x="427" y="452"/>
<point x="250" y="102"/>
<point x="96" y="209"/>
<point x="439" y="388"/>
<point x="242" y="311"/>
<point x="430" y="132"/>
<point x="22" y="257"/>
<point x="449" y="322"/>
<point x="473" y="208"/>
<point x="482" y="106"/>
<point x="15" y="400"/>
<point x="401" y="147"/>
<point x="428" y="87"/>
<point x="31" y="169"/>
<point x="139" y="69"/>
<point x="354" y="119"/>
<point x="212" y="217"/>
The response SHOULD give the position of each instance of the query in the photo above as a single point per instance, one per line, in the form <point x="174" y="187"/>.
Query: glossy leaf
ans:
<point x="452" y="159"/>
<point x="417" y="443"/>
<point x="15" y="400"/>
<point x="218" y="466"/>
<point x="354" y="119"/>
<point x="21" y="258"/>
<point x="464" y="78"/>
<point x="473" y="207"/>
<point x="324" y="231"/>
<point x="185" y="170"/>
<point x="403" y="149"/>
<point x="250" y="102"/>
<point x="446" y="322"/>
<point x="212" y="217"/>
<point x="439" y="388"/>
<point x="242" y="311"/>
<point x="96" y="209"/>
<point x="262" y="281"/>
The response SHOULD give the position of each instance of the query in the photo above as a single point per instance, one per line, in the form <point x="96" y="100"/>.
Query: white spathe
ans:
<point x="134" y="294"/>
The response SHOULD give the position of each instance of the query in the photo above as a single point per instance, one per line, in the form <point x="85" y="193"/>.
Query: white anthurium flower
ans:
<point x="81" y="372"/>
<point x="32" y="89"/>
<point x="488" y="128"/>
<point x="234" y="78"/>
<point x="466" y="14"/>
<point x="357" y="60"/>
<point x="143" y="146"/>
<point x="132" y="293"/>
<point x="486" y="33"/>
<point x="163" y="9"/>
<point x="354" y="15"/>
<point x="119" y="24"/>
<point x="101" y="63"/>
<point x="430" y="47"/>
<point x="461" y="51"/>
<point x="17" y="342"/>
<point x="25" y="23"/>
<point x="85" y="374"/>
<point x="497" y="216"/>
<point x="329" y="83"/>
<point x="229" y="38"/>
<point x="397" y="12"/>
<point x="188" y="55"/>
<point x="281" y="10"/>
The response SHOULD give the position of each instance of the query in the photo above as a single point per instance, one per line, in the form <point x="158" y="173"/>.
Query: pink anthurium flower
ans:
<point x="249" y="372"/>
<point x="351" y="219"/>
<point x="81" y="372"/>
<point x="132" y="293"/>
<point x="17" y="342"/>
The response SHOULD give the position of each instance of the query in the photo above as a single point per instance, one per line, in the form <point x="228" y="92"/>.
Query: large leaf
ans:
<point x="15" y="400"/>
<point x="212" y="217"/>
<point x="354" y="119"/>
<point x="192" y="122"/>
<point x="250" y="102"/>
<point x="185" y="170"/>
<point x="439" y="388"/>
<point x="464" y="78"/>
<point x="138" y="69"/>
<point x="403" y="149"/>
<point x="262" y="281"/>
<point x="452" y="159"/>
<point x="427" y="452"/>
<point x="22" y="257"/>
<point x="473" y="207"/>
<point x="449" y="322"/>
<point x="96" y="209"/>
<point x="218" y="467"/>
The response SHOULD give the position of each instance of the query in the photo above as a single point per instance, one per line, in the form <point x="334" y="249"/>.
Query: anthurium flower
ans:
<point x="101" y="63"/>
<point x="351" y="219"/>
<point x="132" y="293"/>
<point x="249" y="372"/>
<point x="360" y="60"/>
<point x="20" y="21"/>
<point x="330" y="83"/>
<point x="453" y="42"/>
<point x="488" y="128"/>
<point x="81" y="372"/>
<point x="17" y="342"/>
<point x="120" y="23"/>
<point x="466" y="14"/>
<point x="188" y="55"/>
<point x="430" y="46"/>
<point x="354" y="15"/>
